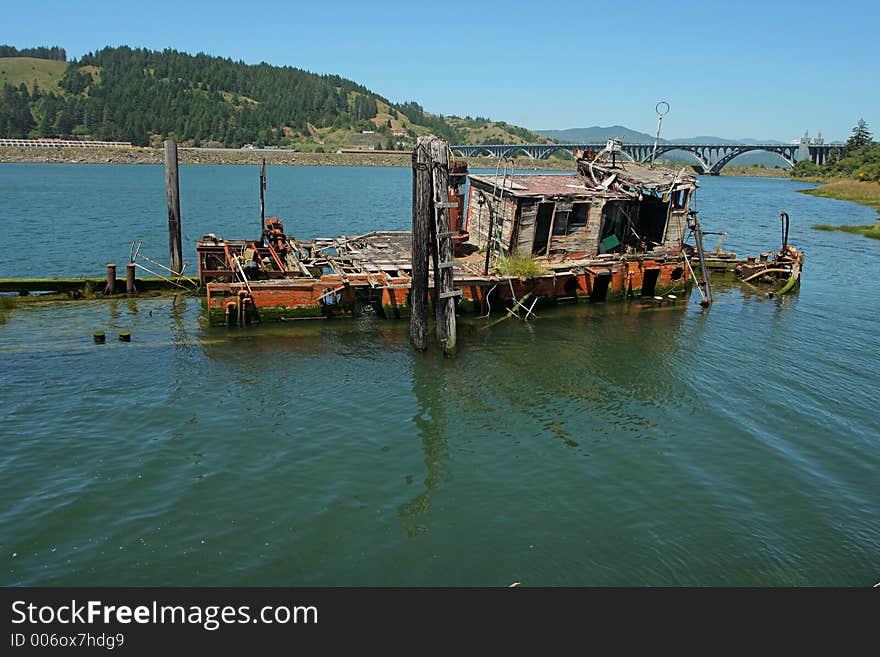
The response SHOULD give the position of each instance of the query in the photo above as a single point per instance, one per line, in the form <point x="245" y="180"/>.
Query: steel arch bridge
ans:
<point x="711" y="158"/>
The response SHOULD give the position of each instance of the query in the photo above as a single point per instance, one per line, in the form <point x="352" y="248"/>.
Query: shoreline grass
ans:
<point x="864" y="193"/>
<point x="868" y="231"/>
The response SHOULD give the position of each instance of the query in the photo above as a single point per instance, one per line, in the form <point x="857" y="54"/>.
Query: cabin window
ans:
<point x="615" y="224"/>
<point x="560" y="223"/>
<point x="631" y="226"/>
<point x="578" y="216"/>
<point x="651" y="224"/>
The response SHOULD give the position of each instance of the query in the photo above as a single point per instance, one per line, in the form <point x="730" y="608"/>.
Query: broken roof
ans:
<point x="571" y="184"/>
<point x="537" y="184"/>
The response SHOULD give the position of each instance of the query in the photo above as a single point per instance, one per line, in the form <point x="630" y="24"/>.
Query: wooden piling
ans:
<point x="110" y="288"/>
<point x="125" y="336"/>
<point x="99" y="337"/>
<point x="130" y="278"/>
<point x="422" y="209"/>
<point x="432" y="238"/>
<point x="172" y="192"/>
<point x="444" y="286"/>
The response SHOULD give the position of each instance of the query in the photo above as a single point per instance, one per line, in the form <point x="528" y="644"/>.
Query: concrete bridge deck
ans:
<point x="710" y="157"/>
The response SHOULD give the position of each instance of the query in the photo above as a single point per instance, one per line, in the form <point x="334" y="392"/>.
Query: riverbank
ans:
<point x="866" y="193"/>
<point x="756" y="172"/>
<point x="136" y="155"/>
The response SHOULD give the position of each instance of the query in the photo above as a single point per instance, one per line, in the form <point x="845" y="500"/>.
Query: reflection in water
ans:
<point x="614" y="363"/>
<point x="306" y="338"/>
<point x="431" y="421"/>
<point x="7" y="304"/>
<point x="784" y="305"/>
<point x="178" y="321"/>
<point x="180" y="338"/>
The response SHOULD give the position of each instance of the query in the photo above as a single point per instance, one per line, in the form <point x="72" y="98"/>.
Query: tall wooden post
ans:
<point x="421" y="243"/>
<point x="172" y="192"/>
<point x="444" y="293"/>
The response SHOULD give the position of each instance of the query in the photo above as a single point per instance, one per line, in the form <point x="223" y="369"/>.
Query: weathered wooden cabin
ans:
<point x="625" y="209"/>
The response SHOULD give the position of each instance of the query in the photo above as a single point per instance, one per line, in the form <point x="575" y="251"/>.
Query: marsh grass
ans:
<point x="522" y="267"/>
<point x="868" y="231"/>
<point x="866" y="193"/>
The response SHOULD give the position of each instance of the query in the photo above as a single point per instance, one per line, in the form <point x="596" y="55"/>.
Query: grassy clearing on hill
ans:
<point x="47" y="72"/>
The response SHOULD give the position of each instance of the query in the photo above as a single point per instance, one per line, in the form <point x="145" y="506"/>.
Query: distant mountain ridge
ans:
<point x="721" y="140"/>
<point x="597" y="133"/>
<point x="600" y="134"/>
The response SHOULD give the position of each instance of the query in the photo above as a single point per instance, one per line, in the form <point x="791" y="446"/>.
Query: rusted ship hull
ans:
<point x="331" y="296"/>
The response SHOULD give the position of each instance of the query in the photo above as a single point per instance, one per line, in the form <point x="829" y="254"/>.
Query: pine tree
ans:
<point x="860" y="137"/>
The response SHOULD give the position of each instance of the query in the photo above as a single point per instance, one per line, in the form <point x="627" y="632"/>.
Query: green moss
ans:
<point x="276" y="313"/>
<point x="81" y="284"/>
<point x="217" y="316"/>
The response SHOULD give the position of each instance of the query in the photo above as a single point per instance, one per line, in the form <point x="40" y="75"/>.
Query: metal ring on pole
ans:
<point x="660" y="114"/>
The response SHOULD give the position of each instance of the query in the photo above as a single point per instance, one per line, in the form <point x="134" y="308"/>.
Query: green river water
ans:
<point x="604" y="444"/>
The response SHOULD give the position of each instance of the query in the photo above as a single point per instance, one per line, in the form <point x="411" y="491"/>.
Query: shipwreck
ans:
<point x="609" y="230"/>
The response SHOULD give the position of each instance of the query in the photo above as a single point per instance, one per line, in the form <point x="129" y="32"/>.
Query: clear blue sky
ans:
<point x="733" y="69"/>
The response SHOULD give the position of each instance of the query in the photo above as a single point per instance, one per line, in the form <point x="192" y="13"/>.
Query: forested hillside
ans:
<point x="144" y="96"/>
<point x="41" y="52"/>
